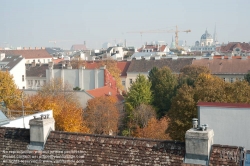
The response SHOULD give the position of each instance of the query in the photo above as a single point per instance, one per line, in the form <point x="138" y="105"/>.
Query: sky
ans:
<point x="29" y="23"/>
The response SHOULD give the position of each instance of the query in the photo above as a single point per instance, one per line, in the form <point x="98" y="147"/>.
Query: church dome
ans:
<point x="206" y="35"/>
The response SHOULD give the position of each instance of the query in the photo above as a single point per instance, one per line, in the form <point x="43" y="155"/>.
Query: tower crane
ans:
<point x="176" y="31"/>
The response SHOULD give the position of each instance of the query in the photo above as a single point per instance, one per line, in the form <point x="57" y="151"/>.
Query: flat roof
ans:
<point x="227" y="105"/>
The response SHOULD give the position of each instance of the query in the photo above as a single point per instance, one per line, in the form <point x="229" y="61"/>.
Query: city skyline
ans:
<point x="35" y="23"/>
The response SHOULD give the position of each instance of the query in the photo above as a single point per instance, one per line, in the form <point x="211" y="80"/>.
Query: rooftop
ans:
<point x="87" y="149"/>
<point x="146" y="65"/>
<point x="28" y="54"/>
<point x="106" y="91"/>
<point x="226" y="105"/>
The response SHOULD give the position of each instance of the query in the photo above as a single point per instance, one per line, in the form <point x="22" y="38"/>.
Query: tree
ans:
<point x="152" y="77"/>
<point x="111" y="65"/>
<point x="57" y="87"/>
<point x="9" y="93"/>
<point x="206" y="88"/>
<point x="77" y="63"/>
<point x="139" y="92"/>
<point x="238" y="92"/>
<point x="165" y="85"/>
<point x="67" y="113"/>
<point x="155" y="129"/>
<point x="142" y="114"/>
<point x="183" y="109"/>
<point x="102" y="115"/>
<point x="247" y="77"/>
<point x="190" y="73"/>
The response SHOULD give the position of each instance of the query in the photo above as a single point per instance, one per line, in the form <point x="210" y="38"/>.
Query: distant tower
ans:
<point x="215" y="36"/>
<point x="173" y="46"/>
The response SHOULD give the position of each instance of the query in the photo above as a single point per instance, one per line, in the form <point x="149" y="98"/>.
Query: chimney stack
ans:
<point x="33" y="64"/>
<point x="198" y="142"/>
<point x="2" y="56"/>
<point x="39" y="131"/>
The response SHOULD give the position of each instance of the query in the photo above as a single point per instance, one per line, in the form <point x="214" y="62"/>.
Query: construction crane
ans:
<point x="176" y="31"/>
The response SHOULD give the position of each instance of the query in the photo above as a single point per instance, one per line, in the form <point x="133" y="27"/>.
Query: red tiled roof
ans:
<point x="57" y="61"/>
<point x="226" y="105"/>
<point x="92" y="64"/>
<point x="28" y="54"/>
<point x="104" y="91"/>
<point x="230" y="46"/>
<point x="123" y="66"/>
<point x="225" y="66"/>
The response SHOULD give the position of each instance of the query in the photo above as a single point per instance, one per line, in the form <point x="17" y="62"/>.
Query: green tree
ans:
<point x="165" y="86"/>
<point x="139" y="93"/>
<point x="247" y="77"/>
<point x="152" y="77"/>
<point x="9" y="93"/>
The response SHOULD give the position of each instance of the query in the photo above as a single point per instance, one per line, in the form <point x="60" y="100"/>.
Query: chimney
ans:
<point x="198" y="142"/>
<point x="39" y="131"/>
<point x="69" y="65"/>
<point x="51" y="64"/>
<point x="2" y="56"/>
<point x="33" y="64"/>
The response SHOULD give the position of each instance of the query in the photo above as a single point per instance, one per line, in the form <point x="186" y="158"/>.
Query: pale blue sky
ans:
<point x="34" y="22"/>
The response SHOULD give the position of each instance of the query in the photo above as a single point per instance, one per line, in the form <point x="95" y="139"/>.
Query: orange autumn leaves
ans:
<point x="102" y="115"/>
<point x="67" y="113"/>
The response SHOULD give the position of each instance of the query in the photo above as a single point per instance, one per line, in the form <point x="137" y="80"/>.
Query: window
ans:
<point x="123" y="83"/>
<point x="23" y="78"/>
<point x="231" y="80"/>
<point x="224" y="79"/>
<point x="130" y="81"/>
<point x="38" y="82"/>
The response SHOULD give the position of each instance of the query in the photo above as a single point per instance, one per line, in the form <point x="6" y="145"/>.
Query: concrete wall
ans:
<point x="83" y="78"/>
<point x="230" y="125"/>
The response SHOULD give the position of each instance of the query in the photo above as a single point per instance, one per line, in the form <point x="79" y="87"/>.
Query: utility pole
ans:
<point x="22" y="109"/>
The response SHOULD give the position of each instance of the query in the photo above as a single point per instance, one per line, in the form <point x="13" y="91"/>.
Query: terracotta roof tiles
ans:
<point x="230" y="46"/>
<point x="225" y="66"/>
<point x="146" y="65"/>
<point x="28" y="54"/>
<point x="106" y="91"/>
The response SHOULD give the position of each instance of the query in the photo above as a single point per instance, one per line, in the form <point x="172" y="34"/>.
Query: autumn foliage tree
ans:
<point x="206" y="88"/>
<point x="9" y="92"/>
<point x="155" y="129"/>
<point x="56" y="96"/>
<point x="102" y="115"/>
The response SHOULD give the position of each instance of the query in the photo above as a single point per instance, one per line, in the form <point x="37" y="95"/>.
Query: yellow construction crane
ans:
<point x="176" y="31"/>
